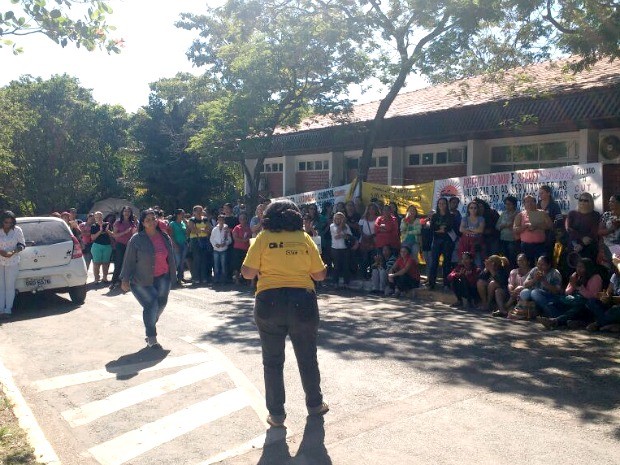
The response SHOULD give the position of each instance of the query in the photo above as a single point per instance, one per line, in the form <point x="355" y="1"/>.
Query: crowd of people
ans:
<point x="528" y="261"/>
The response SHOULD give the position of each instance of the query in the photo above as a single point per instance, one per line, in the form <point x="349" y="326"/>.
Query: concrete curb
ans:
<point x="43" y="450"/>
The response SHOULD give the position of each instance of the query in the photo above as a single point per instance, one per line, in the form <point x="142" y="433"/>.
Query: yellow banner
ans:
<point x="420" y="195"/>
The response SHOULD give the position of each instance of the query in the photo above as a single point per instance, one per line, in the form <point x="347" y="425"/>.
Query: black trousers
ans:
<point x="293" y="312"/>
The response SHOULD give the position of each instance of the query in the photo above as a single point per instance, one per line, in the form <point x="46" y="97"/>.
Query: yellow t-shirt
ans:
<point x="284" y="259"/>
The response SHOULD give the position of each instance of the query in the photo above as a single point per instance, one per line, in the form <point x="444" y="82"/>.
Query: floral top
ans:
<point x="8" y="242"/>
<point x="607" y="220"/>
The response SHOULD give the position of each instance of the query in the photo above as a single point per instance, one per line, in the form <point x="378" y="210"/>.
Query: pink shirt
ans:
<point x="590" y="290"/>
<point x="121" y="227"/>
<point x="161" y="255"/>
<point x="240" y="233"/>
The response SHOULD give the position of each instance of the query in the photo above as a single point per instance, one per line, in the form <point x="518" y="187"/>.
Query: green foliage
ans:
<point x="275" y="63"/>
<point x="166" y="172"/>
<point x="60" y="149"/>
<point x="57" y="20"/>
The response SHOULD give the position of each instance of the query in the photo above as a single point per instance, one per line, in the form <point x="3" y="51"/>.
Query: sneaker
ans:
<point x="397" y="294"/>
<point x="277" y="421"/>
<point x="593" y="327"/>
<point x="387" y="292"/>
<point x="319" y="410"/>
<point x="457" y="304"/>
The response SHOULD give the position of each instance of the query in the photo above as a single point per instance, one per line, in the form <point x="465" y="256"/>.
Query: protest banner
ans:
<point x="566" y="182"/>
<point x="331" y="195"/>
<point x="420" y="195"/>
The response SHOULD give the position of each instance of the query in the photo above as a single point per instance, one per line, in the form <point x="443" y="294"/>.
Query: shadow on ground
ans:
<point x="570" y="370"/>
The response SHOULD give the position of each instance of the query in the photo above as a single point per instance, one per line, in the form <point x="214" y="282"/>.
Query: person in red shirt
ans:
<point x="241" y="235"/>
<point x="386" y="230"/>
<point x="463" y="280"/>
<point x="404" y="274"/>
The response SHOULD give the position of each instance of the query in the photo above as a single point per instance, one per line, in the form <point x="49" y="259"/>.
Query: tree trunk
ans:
<point x="370" y="138"/>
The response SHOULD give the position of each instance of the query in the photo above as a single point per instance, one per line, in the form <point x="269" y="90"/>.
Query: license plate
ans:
<point x="38" y="282"/>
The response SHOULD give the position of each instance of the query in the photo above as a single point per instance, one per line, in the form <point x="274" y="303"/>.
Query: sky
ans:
<point x="153" y="49"/>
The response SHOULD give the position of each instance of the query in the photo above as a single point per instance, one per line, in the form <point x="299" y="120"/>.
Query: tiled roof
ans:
<point x="547" y="78"/>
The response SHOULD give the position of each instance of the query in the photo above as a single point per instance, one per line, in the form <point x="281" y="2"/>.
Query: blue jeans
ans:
<point x="153" y="300"/>
<point x="180" y="253"/>
<point x="545" y="301"/>
<point x="441" y="246"/>
<point x="220" y="266"/>
<point x="293" y="312"/>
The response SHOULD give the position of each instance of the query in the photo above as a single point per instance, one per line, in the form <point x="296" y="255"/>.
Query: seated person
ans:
<point x="379" y="270"/>
<point x="404" y="275"/>
<point x="516" y="278"/>
<point x="543" y="285"/>
<point x="606" y="307"/>
<point x="585" y="283"/>
<point x="492" y="285"/>
<point x="463" y="280"/>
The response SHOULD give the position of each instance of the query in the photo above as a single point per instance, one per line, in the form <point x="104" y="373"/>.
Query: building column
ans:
<point x="289" y="169"/>
<point x="396" y="166"/>
<point x="478" y="158"/>
<point x="336" y="169"/>
<point x="251" y="164"/>
<point x="588" y="145"/>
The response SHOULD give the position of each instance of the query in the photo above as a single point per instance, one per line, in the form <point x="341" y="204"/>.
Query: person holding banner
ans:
<point x="442" y="228"/>
<point x="530" y="226"/>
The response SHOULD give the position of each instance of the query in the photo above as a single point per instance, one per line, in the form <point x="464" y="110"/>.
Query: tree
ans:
<point x="58" y="22"/>
<point x="167" y="173"/>
<point x="457" y="38"/>
<point x="62" y="148"/>
<point x="275" y="62"/>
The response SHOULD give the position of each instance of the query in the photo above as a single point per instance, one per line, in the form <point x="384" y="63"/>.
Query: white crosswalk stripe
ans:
<point x="193" y="368"/>
<point x="141" y="393"/>
<point x="134" y="443"/>
<point x="84" y="377"/>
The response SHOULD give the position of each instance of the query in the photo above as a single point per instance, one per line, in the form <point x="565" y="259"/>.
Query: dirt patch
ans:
<point x="14" y="447"/>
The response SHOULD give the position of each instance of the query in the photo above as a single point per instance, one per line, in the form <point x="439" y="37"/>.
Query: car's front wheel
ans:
<point x="78" y="294"/>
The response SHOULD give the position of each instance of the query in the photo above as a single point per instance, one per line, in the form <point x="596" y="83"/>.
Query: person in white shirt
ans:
<point x="221" y="238"/>
<point x="12" y="242"/>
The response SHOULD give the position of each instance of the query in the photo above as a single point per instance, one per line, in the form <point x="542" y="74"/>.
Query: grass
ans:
<point x="14" y="447"/>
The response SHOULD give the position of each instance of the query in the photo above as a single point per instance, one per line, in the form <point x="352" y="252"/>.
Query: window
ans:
<point x="450" y="156"/>
<point x="313" y="165"/>
<point x="383" y="162"/>
<point x="531" y="156"/>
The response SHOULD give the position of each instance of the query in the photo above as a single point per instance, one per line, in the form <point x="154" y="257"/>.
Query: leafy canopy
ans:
<point x="82" y="22"/>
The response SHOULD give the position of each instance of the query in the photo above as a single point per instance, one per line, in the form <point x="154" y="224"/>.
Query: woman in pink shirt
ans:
<point x="123" y="229"/>
<point x="585" y="283"/>
<point x="241" y="235"/>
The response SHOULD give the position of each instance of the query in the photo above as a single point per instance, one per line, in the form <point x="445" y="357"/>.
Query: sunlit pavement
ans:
<point x="408" y="382"/>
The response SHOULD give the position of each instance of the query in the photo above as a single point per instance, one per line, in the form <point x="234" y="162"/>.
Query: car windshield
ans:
<point x="44" y="232"/>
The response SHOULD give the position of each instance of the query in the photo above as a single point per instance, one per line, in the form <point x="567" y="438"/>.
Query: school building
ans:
<point x="531" y="117"/>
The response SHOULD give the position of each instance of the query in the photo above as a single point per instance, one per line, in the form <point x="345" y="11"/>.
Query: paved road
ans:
<point x="407" y="384"/>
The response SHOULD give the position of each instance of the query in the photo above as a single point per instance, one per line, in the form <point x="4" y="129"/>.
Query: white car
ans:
<point x="52" y="259"/>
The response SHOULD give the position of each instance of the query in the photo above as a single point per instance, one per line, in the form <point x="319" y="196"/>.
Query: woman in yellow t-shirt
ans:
<point x="286" y="260"/>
